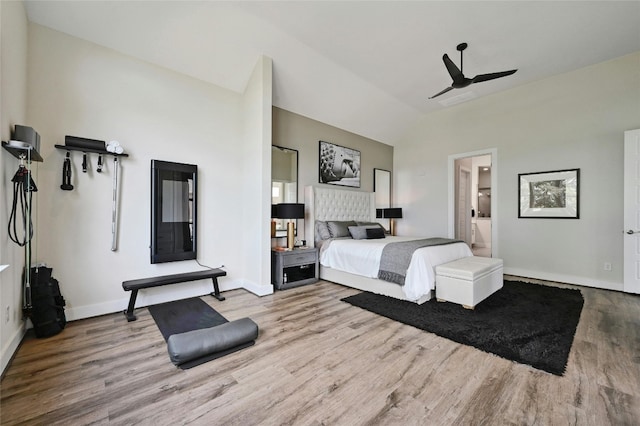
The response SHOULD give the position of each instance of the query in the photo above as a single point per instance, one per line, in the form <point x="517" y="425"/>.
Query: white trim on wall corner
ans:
<point x="566" y="279"/>
<point x="257" y="289"/>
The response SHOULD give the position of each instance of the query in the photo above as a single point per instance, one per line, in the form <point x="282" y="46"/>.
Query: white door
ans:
<point x="632" y="211"/>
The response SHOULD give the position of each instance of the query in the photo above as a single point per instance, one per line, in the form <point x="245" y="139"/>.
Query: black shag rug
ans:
<point x="527" y="323"/>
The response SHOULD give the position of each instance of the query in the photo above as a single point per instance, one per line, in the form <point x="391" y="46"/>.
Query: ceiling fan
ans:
<point x="459" y="80"/>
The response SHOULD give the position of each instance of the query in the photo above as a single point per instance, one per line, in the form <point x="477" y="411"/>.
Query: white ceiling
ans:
<point x="366" y="67"/>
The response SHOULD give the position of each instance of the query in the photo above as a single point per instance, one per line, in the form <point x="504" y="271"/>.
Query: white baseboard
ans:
<point x="156" y="295"/>
<point x="258" y="289"/>
<point x="12" y="347"/>
<point x="148" y="297"/>
<point x="562" y="278"/>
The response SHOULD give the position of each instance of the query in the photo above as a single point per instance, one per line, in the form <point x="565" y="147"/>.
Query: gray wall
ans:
<point x="294" y="131"/>
<point x="574" y="120"/>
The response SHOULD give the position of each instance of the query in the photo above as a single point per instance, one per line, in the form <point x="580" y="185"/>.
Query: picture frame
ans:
<point x="338" y="165"/>
<point x="549" y="195"/>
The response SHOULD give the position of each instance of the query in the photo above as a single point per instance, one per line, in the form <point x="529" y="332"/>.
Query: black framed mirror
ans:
<point x="382" y="190"/>
<point x="284" y="183"/>
<point x="173" y="211"/>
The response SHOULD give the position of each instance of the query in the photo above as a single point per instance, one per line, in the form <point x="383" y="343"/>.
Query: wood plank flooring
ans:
<point x="319" y="361"/>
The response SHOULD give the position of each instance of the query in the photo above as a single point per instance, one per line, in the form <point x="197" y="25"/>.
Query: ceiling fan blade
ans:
<point x="442" y="92"/>
<point x="454" y="71"/>
<point x="491" y="76"/>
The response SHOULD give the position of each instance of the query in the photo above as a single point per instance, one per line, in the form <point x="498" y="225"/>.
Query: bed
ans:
<point x="354" y="263"/>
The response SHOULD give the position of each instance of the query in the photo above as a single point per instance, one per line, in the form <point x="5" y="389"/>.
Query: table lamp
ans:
<point x="392" y="213"/>
<point x="290" y="211"/>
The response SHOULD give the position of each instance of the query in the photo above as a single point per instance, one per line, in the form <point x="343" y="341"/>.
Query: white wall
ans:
<point x="574" y="120"/>
<point x="256" y="165"/>
<point x="13" y="110"/>
<point x="81" y="89"/>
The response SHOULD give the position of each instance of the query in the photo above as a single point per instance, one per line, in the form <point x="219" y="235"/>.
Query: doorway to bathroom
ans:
<point x="473" y="200"/>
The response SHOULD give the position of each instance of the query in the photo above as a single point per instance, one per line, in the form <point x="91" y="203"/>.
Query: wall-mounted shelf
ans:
<point x="18" y="149"/>
<point x="97" y="151"/>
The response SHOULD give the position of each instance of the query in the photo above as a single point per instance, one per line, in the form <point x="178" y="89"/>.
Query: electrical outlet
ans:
<point x="607" y="266"/>
<point x="7" y="314"/>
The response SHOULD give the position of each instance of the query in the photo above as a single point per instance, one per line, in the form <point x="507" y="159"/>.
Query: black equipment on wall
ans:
<point x="66" y="174"/>
<point x="24" y="145"/>
<point x="27" y="135"/>
<point x="23" y="189"/>
<point x="90" y="145"/>
<point x="95" y="146"/>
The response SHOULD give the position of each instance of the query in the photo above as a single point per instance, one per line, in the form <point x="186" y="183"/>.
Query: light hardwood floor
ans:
<point x="320" y="361"/>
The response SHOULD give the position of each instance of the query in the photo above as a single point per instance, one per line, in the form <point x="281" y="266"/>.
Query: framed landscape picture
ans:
<point x="551" y="195"/>
<point x="339" y="165"/>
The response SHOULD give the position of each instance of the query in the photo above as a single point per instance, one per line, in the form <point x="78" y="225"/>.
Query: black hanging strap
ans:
<point x="66" y="174"/>
<point x="23" y="188"/>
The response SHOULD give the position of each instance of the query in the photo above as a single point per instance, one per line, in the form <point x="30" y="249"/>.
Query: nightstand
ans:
<point x="294" y="268"/>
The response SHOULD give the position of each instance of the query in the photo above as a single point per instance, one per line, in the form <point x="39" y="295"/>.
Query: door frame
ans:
<point x="630" y="221"/>
<point x="467" y="213"/>
<point x="494" y="194"/>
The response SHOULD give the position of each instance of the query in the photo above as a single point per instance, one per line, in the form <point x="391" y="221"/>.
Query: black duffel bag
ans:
<point x="47" y="303"/>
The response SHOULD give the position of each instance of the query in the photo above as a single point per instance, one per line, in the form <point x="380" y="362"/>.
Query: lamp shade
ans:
<point x="379" y="213"/>
<point x="290" y="211"/>
<point x="274" y="211"/>
<point x="392" y="213"/>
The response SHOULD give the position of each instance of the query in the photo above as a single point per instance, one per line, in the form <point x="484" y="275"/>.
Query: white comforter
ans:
<point x="362" y="257"/>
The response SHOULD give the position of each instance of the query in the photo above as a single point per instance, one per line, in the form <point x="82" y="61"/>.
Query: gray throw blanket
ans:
<point x="396" y="257"/>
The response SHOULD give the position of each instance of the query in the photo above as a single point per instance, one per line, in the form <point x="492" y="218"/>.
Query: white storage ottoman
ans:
<point x="469" y="280"/>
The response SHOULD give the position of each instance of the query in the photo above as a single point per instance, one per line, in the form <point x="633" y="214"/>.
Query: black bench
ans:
<point x="135" y="285"/>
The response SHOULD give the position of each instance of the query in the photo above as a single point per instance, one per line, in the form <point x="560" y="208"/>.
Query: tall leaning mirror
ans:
<point x="382" y="190"/>
<point x="284" y="182"/>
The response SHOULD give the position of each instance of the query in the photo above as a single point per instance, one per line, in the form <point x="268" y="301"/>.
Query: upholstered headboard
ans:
<point x="322" y="203"/>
